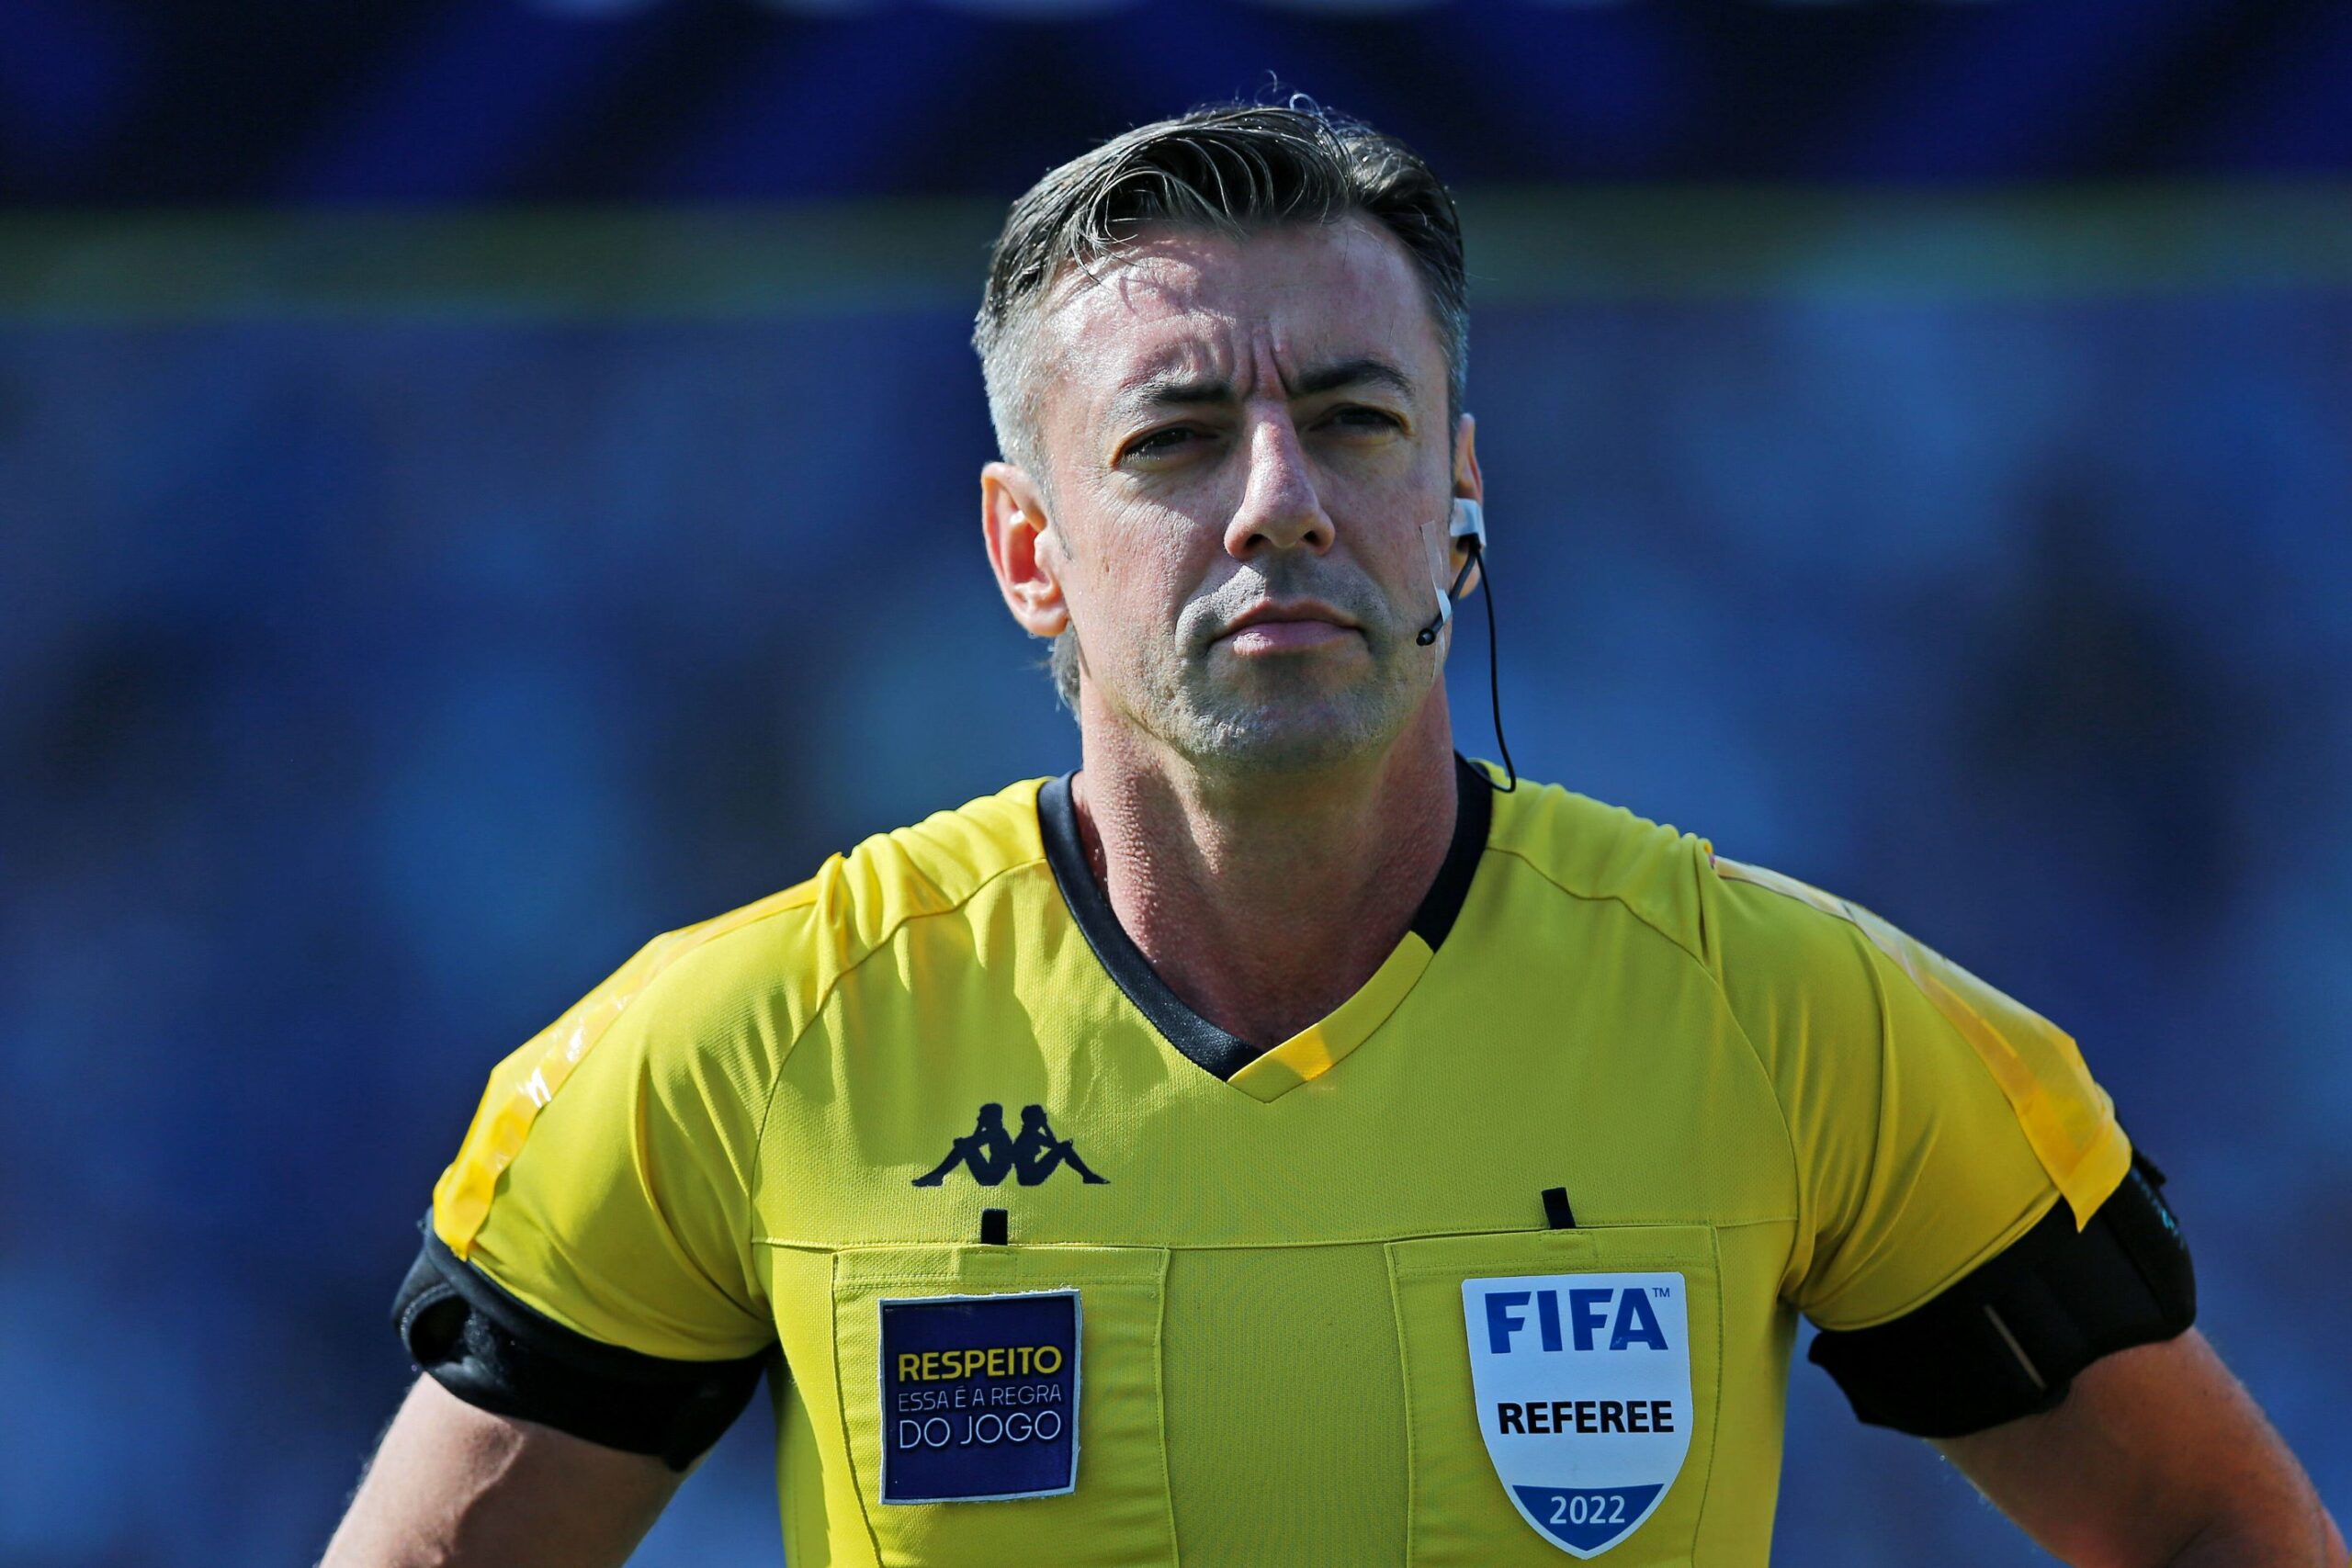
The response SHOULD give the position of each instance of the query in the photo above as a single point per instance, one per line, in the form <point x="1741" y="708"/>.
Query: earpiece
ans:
<point x="1467" y="521"/>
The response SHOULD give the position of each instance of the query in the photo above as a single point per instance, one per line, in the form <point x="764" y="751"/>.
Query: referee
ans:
<point x="1282" y="1141"/>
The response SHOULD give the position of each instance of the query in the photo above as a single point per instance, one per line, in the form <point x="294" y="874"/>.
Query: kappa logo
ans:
<point x="990" y="1153"/>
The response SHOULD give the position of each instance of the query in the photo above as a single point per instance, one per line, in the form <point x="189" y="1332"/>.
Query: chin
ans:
<point x="1276" y="717"/>
<point x="1289" y="737"/>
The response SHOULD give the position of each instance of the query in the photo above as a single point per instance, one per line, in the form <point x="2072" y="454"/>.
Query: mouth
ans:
<point x="1273" y="627"/>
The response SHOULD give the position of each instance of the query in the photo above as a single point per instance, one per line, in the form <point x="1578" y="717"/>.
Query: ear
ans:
<point x="1469" y="484"/>
<point x="1012" y="518"/>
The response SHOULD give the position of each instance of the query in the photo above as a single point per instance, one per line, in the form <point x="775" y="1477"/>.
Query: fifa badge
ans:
<point x="1583" y="1384"/>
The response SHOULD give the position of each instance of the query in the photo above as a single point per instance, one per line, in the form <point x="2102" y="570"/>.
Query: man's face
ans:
<point x="1250" y="468"/>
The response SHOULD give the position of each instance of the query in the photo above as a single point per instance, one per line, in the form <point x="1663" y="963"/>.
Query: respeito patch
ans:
<point x="979" y="1397"/>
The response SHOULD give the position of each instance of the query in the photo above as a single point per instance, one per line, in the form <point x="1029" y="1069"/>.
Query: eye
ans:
<point x="1359" y="419"/>
<point x="1167" y="443"/>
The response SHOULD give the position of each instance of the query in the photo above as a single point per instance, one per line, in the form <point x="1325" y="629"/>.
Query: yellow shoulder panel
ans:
<point x="859" y="900"/>
<point x="526" y="1081"/>
<point x="2067" y="1118"/>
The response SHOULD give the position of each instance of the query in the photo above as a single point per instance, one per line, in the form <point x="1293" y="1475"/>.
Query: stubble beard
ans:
<point x="1282" y="714"/>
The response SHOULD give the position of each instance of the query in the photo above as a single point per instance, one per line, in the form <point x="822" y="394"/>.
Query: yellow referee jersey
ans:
<point x="1500" y="1260"/>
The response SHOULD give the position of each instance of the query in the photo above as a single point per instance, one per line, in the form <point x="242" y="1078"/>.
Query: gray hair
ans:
<point x="1229" y="168"/>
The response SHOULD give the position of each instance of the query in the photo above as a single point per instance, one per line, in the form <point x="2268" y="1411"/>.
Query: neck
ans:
<point x="1264" y="901"/>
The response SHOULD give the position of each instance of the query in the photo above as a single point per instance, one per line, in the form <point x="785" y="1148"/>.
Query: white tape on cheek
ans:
<point x="1439" y="547"/>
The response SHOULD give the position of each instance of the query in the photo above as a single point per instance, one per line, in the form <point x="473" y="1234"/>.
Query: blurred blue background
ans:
<point x="484" y="482"/>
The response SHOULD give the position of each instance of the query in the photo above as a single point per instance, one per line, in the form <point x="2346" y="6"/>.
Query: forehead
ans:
<point x="1190" y="302"/>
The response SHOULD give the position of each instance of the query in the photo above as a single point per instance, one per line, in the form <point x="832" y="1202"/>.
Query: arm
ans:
<point x="453" y="1485"/>
<point x="2157" y="1457"/>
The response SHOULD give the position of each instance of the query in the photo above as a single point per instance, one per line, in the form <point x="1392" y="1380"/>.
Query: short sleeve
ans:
<point x="1932" y="1119"/>
<point x="606" y="1180"/>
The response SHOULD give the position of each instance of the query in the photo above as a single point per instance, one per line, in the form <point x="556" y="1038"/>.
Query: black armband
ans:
<point x="496" y="1353"/>
<point x="2008" y="1340"/>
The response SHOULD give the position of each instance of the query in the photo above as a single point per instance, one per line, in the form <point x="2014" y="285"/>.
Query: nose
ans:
<point x="1280" y="508"/>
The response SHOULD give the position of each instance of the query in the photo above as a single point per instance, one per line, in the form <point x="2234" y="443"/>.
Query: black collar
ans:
<point x="1211" y="1047"/>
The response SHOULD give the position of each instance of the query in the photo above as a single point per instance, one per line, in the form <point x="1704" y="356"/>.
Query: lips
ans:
<point x="1278" y="637"/>
<point x="1300" y="617"/>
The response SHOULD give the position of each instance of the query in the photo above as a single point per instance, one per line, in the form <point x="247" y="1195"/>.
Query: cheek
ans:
<point x="1148" y="563"/>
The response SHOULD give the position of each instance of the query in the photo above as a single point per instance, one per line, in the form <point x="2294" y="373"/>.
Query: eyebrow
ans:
<point x="1175" y="390"/>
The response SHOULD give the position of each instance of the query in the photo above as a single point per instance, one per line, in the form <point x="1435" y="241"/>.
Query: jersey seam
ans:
<point x="1872" y="959"/>
<point x="1800" y="1219"/>
<point x="1771" y="1090"/>
<point x="937" y="893"/>
<point x="795" y="1243"/>
<point x="825" y="995"/>
<point x="1857" y="939"/>
<point x="1524" y="858"/>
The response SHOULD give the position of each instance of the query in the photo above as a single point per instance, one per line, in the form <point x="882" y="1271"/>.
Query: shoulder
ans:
<point x="1598" y="854"/>
<point x="700" y="1023"/>
<point x="1786" y="947"/>
<point x="1766" y="929"/>
<point x="1727" y="916"/>
<point x="1848" y="998"/>
<point x="1766" y="940"/>
<point x="790" y="949"/>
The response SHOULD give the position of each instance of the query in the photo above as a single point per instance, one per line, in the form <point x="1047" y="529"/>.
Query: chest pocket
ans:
<point x="1579" y="1338"/>
<point x="947" y="1434"/>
